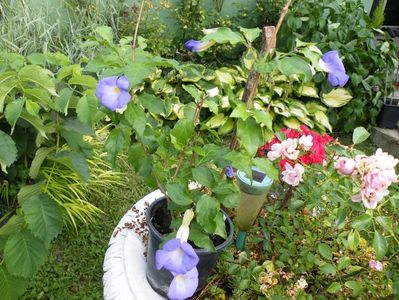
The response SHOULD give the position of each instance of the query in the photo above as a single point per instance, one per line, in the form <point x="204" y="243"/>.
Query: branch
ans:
<point x="136" y="30"/>
<point x="283" y="12"/>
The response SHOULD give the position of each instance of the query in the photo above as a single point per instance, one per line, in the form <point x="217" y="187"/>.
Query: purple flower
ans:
<point x="183" y="286"/>
<point x="198" y="46"/>
<point x="113" y="92"/>
<point x="376" y="265"/>
<point x="332" y="64"/>
<point x="176" y="256"/>
<point x="229" y="172"/>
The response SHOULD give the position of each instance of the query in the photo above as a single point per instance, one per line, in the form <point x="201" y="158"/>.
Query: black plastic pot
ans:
<point x="389" y="116"/>
<point x="161" y="279"/>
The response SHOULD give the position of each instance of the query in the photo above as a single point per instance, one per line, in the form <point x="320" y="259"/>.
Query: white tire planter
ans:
<point x="125" y="262"/>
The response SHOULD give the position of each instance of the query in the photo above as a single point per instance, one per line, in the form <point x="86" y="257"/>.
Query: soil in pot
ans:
<point x="158" y="221"/>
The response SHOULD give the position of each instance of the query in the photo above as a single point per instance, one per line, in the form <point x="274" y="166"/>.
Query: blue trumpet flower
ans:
<point x="183" y="286"/>
<point x="198" y="46"/>
<point x="113" y="92"/>
<point x="332" y="64"/>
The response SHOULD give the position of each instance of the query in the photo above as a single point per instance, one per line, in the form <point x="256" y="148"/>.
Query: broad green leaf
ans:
<point x="203" y="176"/>
<point x="355" y="286"/>
<point x="380" y="245"/>
<point x="220" y="225"/>
<point x="226" y="127"/>
<point x="105" y="33"/>
<point x="40" y="155"/>
<point x="240" y="111"/>
<point x="193" y="91"/>
<point x="322" y="118"/>
<point x="37" y="59"/>
<point x="136" y="117"/>
<point x="265" y="165"/>
<point x="70" y="70"/>
<point x="28" y="191"/>
<point x="84" y="80"/>
<point x="62" y="103"/>
<point x="334" y="287"/>
<point x="13" y="111"/>
<point x="228" y="194"/>
<point x="328" y="269"/>
<point x="292" y="123"/>
<point x="73" y="124"/>
<point x="385" y="222"/>
<point x="216" y="121"/>
<point x="223" y="35"/>
<point x="181" y="133"/>
<point x="251" y="34"/>
<point x="341" y="216"/>
<point x="36" y="122"/>
<point x="343" y="262"/>
<point x="336" y="98"/>
<point x="295" y="65"/>
<point x="360" y="134"/>
<point x="250" y="135"/>
<point x="177" y="194"/>
<point x="353" y="239"/>
<point x="308" y="91"/>
<point x="139" y="160"/>
<point x="153" y="103"/>
<point x="8" y="151"/>
<point x="24" y="254"/>
<point x="14" y="224"/>
<point x="206" y="209"/>
<point x="224" y="76"/>
<point x="264" y="117"/>
<point x="325" y="251"/>
<point x="58" y="59"/>
<point x="362" y="222"/>
<point x="6" y="87"/>
<point x="11" y="287"/>
<point x="137" y="72"/>
<point x="74" y="161"/>
<point x="115" y="143"/>
<point x="32" y="108"/>
<point x="200" y="238"/>
<point x="39" y="76"/>
<point x="44" y="217"/>
<point x="87" y="109"/>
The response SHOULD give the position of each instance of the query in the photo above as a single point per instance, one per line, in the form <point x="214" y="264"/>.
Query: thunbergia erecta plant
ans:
<point x="178" y="257"/>
<point x="374" y="174"/>
<point x="332" y="64"/>
<point x="198" y="46"/>
<point x="113" y="92"/>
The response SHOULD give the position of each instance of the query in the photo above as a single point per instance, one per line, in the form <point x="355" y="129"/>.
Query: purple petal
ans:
<point x="333" y="62"/>
<point x="192" y="45"/>
<point x="183" y="286"/>
<point x="171" y="245"/>
<point x="123" y="99"/>
<point x="122" y="83"/>
<point x="109" y="98"/>
<point x="337" y="79"/>
<point x="229" y="172"/>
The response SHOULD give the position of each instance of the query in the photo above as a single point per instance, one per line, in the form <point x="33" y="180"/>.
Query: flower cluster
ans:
<point x="375" y="174"/>
<point x="300" y="147"/>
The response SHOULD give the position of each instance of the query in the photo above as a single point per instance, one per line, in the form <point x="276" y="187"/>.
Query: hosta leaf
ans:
<point x="322" y="119"/>
<point x="8" y="151"/>
<point x="11" y="287"/>
<point x="39" y="76"/>
<point x="44" y="217"/>
<point x="223" y="35"/>
<point x="360" y="134"/>
<point x="336" y="98"/>
<point x="24" y="254"/>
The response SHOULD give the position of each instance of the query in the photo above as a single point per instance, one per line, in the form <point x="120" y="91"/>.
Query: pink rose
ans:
<point x="376" y="265"/>
<point x="306" y="142"/>
<point x="384" y="161"/>
<point x="345" y="165"/>
<point x="363" y="164"/>
<point x="376" y="180"/>
<point x="289" y="149"/>
<point x="293" y="175"/>
<point x="370" y="197"/>
<point x="275" y="151"/>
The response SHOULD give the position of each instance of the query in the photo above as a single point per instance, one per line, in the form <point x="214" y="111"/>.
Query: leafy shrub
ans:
<point x="345" y="27"/>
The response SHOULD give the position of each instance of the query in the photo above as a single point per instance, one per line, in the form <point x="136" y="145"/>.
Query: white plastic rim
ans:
<point x="124" y="263"/>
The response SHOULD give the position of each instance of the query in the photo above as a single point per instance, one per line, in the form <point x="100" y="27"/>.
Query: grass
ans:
<point x="74" y="268"/>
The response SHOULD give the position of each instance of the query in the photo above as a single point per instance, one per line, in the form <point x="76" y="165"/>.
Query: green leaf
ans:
<point x="39" y="76"/>
<point x="334" y="287"/>
<point x="361" y="222"/>
<point x="220" y="225"/>
<point x="6" y="87"/>
<point x="73" y="124"/>
<point x="14" y="224"/>
<point x="206" y="209"/>
<point x="380" y="245"/>
<point x="13" y="111"/>
<point x="341" y="216"/>
<point x="227" y="193"/>
<point x="295" y="65"/>
<point x="223" y="35"/>
<point x="355" y="286"/>
<point x="136" y="117"/>
<point x="203" y="176"/>
<point x="151" y="102"/>
<point x="83" y="80"/>
<point x="177" y="193"/>
<point x="336" y="98"/>
<point x="385" y="222"/>
<point x="181" y="133"/>
<point x="87" y="109"/>
<point x="137" y="72"/>
<point x="28" y="191"/>
<point x="36" y="122"/>
<point x="139" y="160"/>
<point x="40" y="155"/>
<point x="8" y="151"/>
<point x="216" y="121"/>
<point x="328" y="269"/>
<point x="360" y="134"/>
<point x="240" y="111"/>
<point x="62" y="103"/>
<point x="32" y="108"/>
<point x="265" y="165"/>
<point x="44" y="217"/>
<point x="264" y="117"/>
<point x="105" y="33"/>
<point x="343" y="262"/>
<point x="24" y="254"/>
<point x="115" y="143"/>
<point x="250" y="34"/>
<point x="250" y="135"/>
<point x="325" y="251"/>
<point x="193" y="91"/>
<point x="74" y="161"/>
<point x="322" y="119"/>
<point x="200" y="238"/>
<point x="353" y="239"/>
<point x="11" y="287"/>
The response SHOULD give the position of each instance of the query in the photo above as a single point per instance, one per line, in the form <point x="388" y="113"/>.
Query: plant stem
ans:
<point x="136" y="30"/>
<point x="287" y="197"/>
<point x="284" y="11"/>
